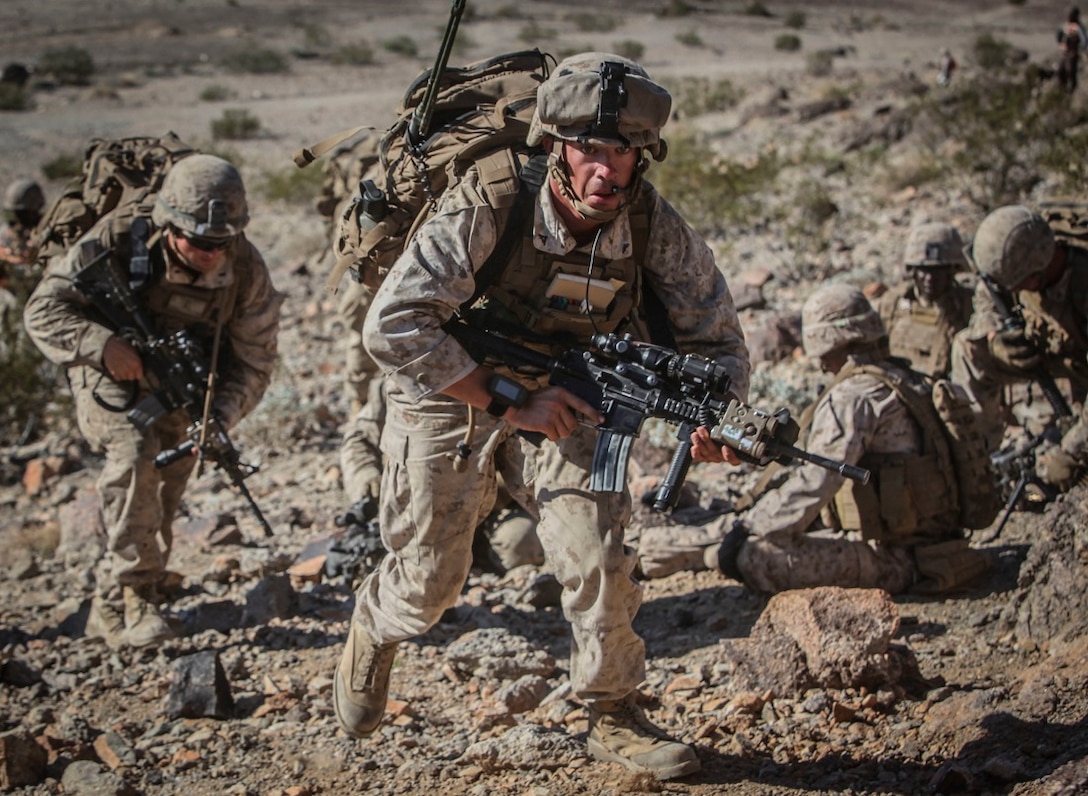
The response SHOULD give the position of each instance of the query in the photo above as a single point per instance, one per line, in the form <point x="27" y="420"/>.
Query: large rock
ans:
<point x="1050" y="607"/>
<point x="826" y="637"/>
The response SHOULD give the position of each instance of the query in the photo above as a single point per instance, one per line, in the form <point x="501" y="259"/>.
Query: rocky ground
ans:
<point x="980" y="692"/>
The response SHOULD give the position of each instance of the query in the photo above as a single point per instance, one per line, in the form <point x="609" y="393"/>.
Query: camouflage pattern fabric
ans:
<point x="1057" y="323"/>
<point x="139" y="501"/>
<point x="921" y="332"/>
<point x="858" y="415"/>
<point x="15" y="247"/>
<point x="429" y="510"/>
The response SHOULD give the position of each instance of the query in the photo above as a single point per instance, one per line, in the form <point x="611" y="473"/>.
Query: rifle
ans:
<point x="631" y="381"/>
<point x="1011" y="313"/>
<point x="421" y="116"/>
<point x="178" y="369"/>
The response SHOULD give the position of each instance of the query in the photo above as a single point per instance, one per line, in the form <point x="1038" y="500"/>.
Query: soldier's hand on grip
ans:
<point x="1014" y="352"/>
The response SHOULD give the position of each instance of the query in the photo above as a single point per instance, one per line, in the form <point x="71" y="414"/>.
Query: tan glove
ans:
<point x="1055" y="466"/>
<point x="1014" y="352"/>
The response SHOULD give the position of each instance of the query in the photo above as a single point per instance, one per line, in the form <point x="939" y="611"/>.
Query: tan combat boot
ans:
<point x="619" y="732"/>
<point x="144" y="624"/>
<point x="106" y="622"/>
<point x="362" y="683"/>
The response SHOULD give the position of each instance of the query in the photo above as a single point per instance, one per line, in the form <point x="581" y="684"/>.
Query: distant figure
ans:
<point x="23" y="204"/>
<point x="1072" y="38"/>
<point x="947" y="66"/>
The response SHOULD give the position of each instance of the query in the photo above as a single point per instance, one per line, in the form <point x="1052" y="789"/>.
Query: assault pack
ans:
<point x="117" y="173"/>
<point x="956" y="440"/>
<point x="450" y="119"/>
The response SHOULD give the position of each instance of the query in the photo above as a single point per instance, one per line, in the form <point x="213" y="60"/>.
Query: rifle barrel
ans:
<point x="853" y="472"/>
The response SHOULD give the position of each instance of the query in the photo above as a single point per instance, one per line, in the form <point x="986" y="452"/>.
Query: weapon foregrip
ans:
<point x="168" y="457"/>
<point x="669" y="491"/>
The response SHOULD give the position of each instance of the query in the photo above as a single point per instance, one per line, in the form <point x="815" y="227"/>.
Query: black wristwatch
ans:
<point x="505" y="392"/>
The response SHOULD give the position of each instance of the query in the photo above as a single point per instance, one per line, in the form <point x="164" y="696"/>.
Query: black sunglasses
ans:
<point x="206" y="244"/>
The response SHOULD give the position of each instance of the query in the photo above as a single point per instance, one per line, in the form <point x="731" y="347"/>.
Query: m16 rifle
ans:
<point x="176" y="367"/>
<point x="631" y="381"/>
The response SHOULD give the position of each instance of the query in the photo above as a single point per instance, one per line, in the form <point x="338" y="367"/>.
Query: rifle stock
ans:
<point x="629" y="382"/>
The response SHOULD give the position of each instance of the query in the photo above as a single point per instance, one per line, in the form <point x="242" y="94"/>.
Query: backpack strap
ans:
<point x="304" y="156"/>
<point x="530" y="180"/>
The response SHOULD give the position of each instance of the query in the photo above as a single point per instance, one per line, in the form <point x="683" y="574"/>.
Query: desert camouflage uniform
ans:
<point x="15" y="246"/>
<point x="1057" y="323"/>
<point x="857" y="416"/>
<point x="429" y="510"/>
<point x="921" y="332"/>
<point x="138" y="500"/>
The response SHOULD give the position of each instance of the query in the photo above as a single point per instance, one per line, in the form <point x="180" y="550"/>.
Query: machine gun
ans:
<point x="631" y="381"/>
<point x="176" y="367"/>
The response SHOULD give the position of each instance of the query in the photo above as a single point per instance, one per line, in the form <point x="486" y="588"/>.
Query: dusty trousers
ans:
<point x="138" y="501"/>
<point x="429" y="512"/>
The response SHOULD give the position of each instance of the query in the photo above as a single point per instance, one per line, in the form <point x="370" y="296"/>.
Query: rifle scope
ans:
<point x="682" y="369"/>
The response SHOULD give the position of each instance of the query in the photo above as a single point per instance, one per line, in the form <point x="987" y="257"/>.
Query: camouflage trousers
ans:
<point x="665" y="549"/>
<point x="138" y="501"/>
<point x="429" y="512"/>
<point x="360" y="449"/>
<point x="780" y="561"/>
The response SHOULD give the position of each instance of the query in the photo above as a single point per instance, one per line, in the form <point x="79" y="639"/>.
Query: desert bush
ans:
<point x="511" y="11"/>
<point x="694" y="96"/>
<point x="291" y="185"/>
<point x="690" y="38"/>
<point x="316" y="37"/>
<point x="787" y="42"/>
<point x="629" y="48"/>
<point x="13" y="98"/>
<point x="820" y="63"/>
<point x="236" y="124"/>
<point x="255" y="62"/>
<point x="999" y="138"/>
<point x="676" y="8"/>
<point x="401" y="45"/>
<point x="757" y="9"/>
<point x="63" y="167"/>
<point x="68" y="65"/>
<point x="796" y="20"/>
<point x="216" y="92"/>
<point x="534" y="32"/>
<point x="991" y="53"/>
<point x="712" y="192"/>
<point x="360" y="54"/>
<point x="587" y="22"/>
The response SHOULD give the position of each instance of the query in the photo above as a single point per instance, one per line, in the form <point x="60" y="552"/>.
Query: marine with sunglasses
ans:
<point x="191" y="266"/>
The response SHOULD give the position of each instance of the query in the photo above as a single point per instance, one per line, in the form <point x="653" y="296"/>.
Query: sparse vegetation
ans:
<point x="690" y="38"/>
<point x="629" y="48"/>
<point x="216" y="92"/>
<point x="401" y="45"/>
<point x="796" y="20"/>
<point x="757" y="9"/>
<point x="998" y="138"/>
<point x="291" y="185"/>
<point x="694" y="96"/>
<point x="236" y="124"/>
<point x="29" y="383"/>
<point x="712" y="192"/>
<point x="71" y="66"/>
<point x="991" y="53"/>
<point x="63" y="167"/>
<point x="820" y="63"/>
<point x="534" y="32"/>
<point x="359" y="54"/>
<point x="587" y="22"/>
<point x="787" y="42"/>
<point x="676" y="8"/>
<point x="13" y="98"/>
<point x="256" y="62"/>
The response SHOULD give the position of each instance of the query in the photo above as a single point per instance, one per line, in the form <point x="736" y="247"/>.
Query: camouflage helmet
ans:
<point x="1012" y="244"/>
<point x="837" y="316"/>
<point x="602" y="98"/>
<point x="203" y="195"/>
<point x="24" y="195"/>
<point x="933" y="245"/>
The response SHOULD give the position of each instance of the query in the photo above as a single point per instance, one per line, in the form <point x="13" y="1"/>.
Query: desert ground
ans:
<point x="996" y="700"/>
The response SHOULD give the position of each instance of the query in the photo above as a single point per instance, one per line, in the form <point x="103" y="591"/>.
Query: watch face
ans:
<point x="508" y="390"/>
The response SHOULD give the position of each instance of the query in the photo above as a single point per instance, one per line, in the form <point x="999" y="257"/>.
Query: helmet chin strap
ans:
<point x="560" y="174"/>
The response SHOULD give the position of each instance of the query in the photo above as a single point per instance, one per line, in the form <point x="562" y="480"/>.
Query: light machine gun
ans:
<point x="631" y="381"/>
<point x="178" y="370"/>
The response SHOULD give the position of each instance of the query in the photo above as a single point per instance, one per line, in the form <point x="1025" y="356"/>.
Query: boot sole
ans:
<point x="683" y="769"/>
